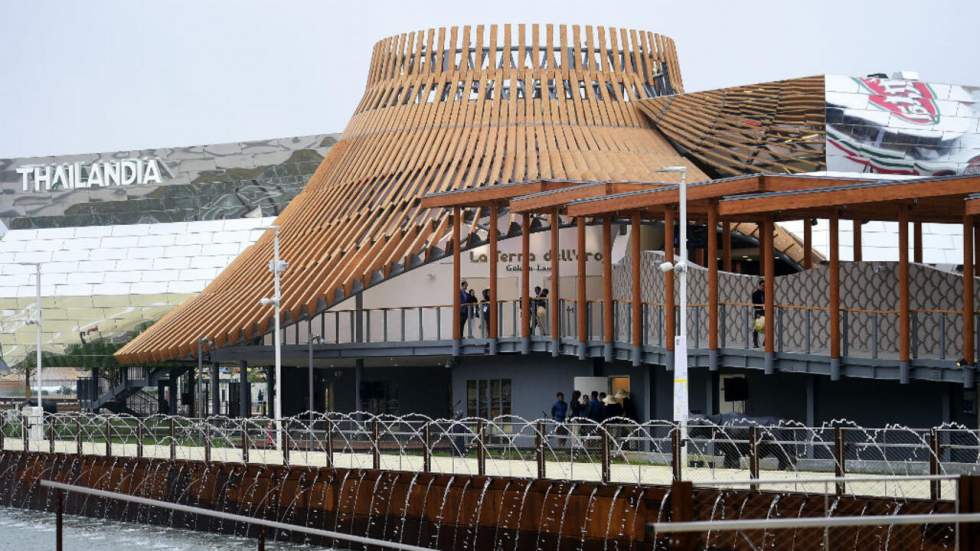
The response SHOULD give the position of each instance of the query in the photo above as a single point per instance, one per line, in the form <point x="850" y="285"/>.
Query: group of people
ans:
<point x="595" y="406"/>
<point x="470" y="306"/>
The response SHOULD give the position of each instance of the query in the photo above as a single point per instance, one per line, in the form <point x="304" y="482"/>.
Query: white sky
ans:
<point x="104" y="75"/>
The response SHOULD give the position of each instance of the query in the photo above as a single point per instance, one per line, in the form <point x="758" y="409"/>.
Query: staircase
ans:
<point x="122" y="390"/>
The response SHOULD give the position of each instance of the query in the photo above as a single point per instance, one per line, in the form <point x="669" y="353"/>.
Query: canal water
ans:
<point x="22" y="530"/>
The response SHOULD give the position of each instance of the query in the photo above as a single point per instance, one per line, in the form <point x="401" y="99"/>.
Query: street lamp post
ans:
<point x="681" y="409"/>
<point x="276" y="266"/>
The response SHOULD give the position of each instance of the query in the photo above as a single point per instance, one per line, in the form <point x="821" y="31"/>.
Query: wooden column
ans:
<point x="457" y="327"/>
<point x="494" y="322"/>
<point x="968" y="352"/>
<point x="904" y="319"/>
<point x="976" y="247"/>
<point x="555" y="302"/>
<point x="917" y="242"/>
<point x="713" y="286"/>
<point x="807" y="244"/>
<point x="769" y="271"/>
<point x="669" y="326"/>
<point x="636" y="288"/>
<point x="525" y="281"/>
<point x="833" y="289"/>
<point x="726" y="246"/>
<point x="607" y="296"/>
<point x="858" y="253"/>
<point x="581" y="307"/>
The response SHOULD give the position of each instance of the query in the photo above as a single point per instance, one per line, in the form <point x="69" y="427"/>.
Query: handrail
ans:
<point x="827" y="480"/>
<point x="810" y="522"/>
<point x="229" y="516"/>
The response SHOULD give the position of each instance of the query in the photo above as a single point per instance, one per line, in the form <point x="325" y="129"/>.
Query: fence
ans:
<point x="617" y="450"/>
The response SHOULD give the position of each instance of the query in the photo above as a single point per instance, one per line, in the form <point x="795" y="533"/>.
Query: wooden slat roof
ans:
<point x="444" y="109"/>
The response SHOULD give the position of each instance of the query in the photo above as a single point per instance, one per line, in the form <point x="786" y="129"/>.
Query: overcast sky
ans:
<point x="105" y="75"/>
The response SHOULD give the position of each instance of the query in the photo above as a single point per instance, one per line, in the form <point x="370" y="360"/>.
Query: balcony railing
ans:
<point x="934" y="334"/>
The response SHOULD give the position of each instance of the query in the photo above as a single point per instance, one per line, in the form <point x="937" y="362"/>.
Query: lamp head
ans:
<point x="266" y="301"/>
<point x="676" y="168"/>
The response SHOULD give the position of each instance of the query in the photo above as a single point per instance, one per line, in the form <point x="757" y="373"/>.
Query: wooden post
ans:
<point x="581" y="307"/>
<point x="976" y="247"/>
<point x="726" y="246"/>
<point x="713" y="286"/>
<point x="636" y="288"/>
<point x="856" y="234"/>
<point x="607" y="296"/>
<point x="903" y="293"/>
<point x="173" y="439"/>
<point x="669" y="327"/>
<point x="245" y="441"/>
<point x="457" y="320"/>
<point x="833" y="289"/>
<point x="481" y="448"/>
<point x="917" y="242"/>
<point x="675" y="453"/>
<point x="261" y="538"/>
<point x="754" y="455"/>
<point x="807" y="244"/>
<point x="968" y="352"/>
<point x="525" y="282"/>
<point x="555" y="303"/>
<point x="769" y="268"/>
<point x="494" y="323"/>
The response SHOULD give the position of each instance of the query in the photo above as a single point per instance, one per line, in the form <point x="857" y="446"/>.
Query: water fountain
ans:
<point x="451" y="484"/>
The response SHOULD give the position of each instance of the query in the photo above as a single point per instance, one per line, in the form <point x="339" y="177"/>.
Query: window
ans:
<point x="487" y="397"/>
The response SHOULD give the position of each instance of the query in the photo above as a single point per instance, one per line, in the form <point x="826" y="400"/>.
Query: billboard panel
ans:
<point x="899" y="126"/>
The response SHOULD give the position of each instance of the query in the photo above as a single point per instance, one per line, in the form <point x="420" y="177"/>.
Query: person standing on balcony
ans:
<point x="485" y="312"/>
<point x="758" y="311"/>
<point x="464" y="309"/>
<point x="533" y="308"/>
<point x="542" y="311"/>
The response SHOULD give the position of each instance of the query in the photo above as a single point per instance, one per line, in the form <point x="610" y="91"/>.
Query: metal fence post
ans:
<point x="935" y="449"/>
<point x="173" y="439"/>
<point x="244" y="441"/>
<point x="606" y="467"/>
<point x="754" y="455"/>
<point x="539" y="450"/>
<point x="139" y="439"/>
<point x="285" y="443"/>
<point x="481" y="450"/>
<point x="261" y="538"/>
<point x="839" y="458"/>
<point x="51" y="436"/>
<point x="675" y="453"/>
<point x="427" y="452"/>
<point x="25" y="430"/>
<point x="207" y="441"/>
<point x="108" y="437"/>
<point x="59" y="538"/>
<point x="78" y="436"/>
<point x="329" y="436"/>
<point x="376" y="444"/>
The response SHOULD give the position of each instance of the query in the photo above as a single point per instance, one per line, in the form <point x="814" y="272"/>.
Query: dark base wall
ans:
<point x="395" y="390"/>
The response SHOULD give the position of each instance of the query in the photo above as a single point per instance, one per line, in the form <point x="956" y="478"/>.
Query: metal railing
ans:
<point x="61" y="488"/>
<point x="865" y="333"/>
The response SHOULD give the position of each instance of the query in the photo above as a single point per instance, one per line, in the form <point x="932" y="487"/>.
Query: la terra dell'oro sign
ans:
<point x="109" y="173"/>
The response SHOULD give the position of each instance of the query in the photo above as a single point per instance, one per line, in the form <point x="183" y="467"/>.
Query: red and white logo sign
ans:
<point x="913" y="101"/>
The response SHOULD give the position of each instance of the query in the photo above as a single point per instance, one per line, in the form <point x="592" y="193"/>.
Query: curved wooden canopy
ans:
<point x="444" y="109"/>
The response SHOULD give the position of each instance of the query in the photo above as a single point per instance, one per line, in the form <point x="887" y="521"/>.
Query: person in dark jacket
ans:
<point x="464" y="309"/>
<point x="575" y="405"/>
<point x="611" y="408"/>
<point x="595" y="408"/>
<point x="559" y="412"/>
